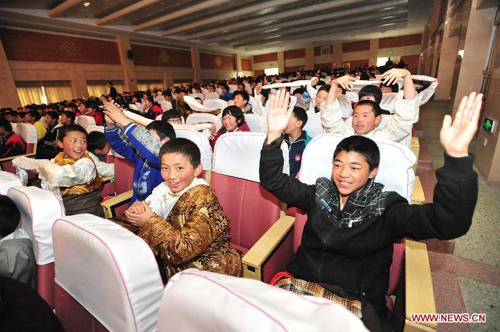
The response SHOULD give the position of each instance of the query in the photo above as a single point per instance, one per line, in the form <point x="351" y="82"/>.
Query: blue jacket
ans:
<point x="147" y="173"/>
<point x="227" y="96"/>
<point x="295" y="150"/>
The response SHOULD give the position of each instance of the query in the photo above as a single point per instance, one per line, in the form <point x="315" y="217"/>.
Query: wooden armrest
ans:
<point x="7" y="159"/>
<point x="415" y="148"/>
<point x="419" y="293"/>
<point x="417" y="196"/>
<point x="260" y="251"/>
<point x="109" y="205"/>
<point x="107" y="179"/>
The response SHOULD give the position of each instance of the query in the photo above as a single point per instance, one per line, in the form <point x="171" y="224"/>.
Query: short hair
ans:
<point x="162" y="128"/>
<point x="72" y="105"/>
<point x="35" y="115"/>
<point x="371" y="90"/>
<point x="170" y="114"/>
<point x="53" y="115"/>
<point x="9" y="216"/>
<point x="243" y="95"/>
<point x="6" y="125"/>
<point x="325" y="87"/>
<point x="70" y="128"/>
<point x="70" y="115"/>
<point x="185" y="147"/>
<point x="375" y="107"/>
<point x="110" y="83"/>
<point x="236" y="112"/>
<point x="362" y="145"/>
<point x="300" y="114"/>
<point x="96" y="140"/>
<point x="92" y="104"/>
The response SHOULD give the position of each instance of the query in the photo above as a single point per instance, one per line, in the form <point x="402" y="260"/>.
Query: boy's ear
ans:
<point x="378" y="119"/>
<point x="165" y="140"/>
<point x="59" y="144"/>
<point x="373" y="173"/>
<point x="198" y="170"/>
<point x="299" y="123"/>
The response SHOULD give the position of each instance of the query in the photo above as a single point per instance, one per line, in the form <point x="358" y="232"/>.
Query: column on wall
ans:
<point x="79" y="83"/>
<point x="127" y="62"/>
<point x="281" y="62"/>
<point x="237" y="59"/>
<point x="372" y="55"/>
<point x="195" y="63"/>
<point x="310" y="58"/>
<point x="337" y="55"/>
<point x="435" y="56"/>
<point x="9" y="96"/>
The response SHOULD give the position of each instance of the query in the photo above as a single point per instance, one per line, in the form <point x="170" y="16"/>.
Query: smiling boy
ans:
<point x="182" y="220"/>
<point x="347" y="243"/>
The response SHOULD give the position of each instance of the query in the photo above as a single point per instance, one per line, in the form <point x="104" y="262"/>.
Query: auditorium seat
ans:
<point x="313" y="125"/>
<point x="29" y="135"/>
<point x="211" y="95"/>
<point x="251" y="209"/>
<point x="85" y="121"/>
<point x="204" y="118"/>
<point x="196" y="300"/>
<point x="257" y="123"/>
<point x="215" y="103"/>
<point x="7" y="181"/>
<point x="106" y="277"/>
<point x="39" y="210"/>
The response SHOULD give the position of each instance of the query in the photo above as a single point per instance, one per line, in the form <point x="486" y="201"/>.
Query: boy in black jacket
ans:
<point x="347" y="244"/>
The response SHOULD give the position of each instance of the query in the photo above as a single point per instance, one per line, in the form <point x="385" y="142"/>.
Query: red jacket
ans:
<point x="11" y="145"/>
<point x="222" y="131"/>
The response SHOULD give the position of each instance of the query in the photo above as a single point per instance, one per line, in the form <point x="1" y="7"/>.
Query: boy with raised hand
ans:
<point x="367" y="114"/>
<point x="347" y="244"/>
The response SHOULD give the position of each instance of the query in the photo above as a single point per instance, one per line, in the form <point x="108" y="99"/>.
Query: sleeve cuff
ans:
<point x="274" y="144"/>
<point x="461" y="165"/>
<point x="129" y="128"/>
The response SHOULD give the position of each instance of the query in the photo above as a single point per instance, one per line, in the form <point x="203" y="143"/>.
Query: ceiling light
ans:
<point x="86" y="4"/>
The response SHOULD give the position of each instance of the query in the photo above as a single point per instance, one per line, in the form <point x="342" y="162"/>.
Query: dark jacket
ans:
<point x="11" y="145"/>
<point x="295" y="150"/>
<point x="356" y="253"/>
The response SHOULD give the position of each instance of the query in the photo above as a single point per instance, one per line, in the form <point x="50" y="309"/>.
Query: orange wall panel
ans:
<point x="217" y="61"/>
<point x="265" y="57"/>
<point x="246" y="64"/>
<point x="294" y="54"/>
<point x="258" y="72"/>
<point x="322" y="65"/>
<point x="356" y="46"/>
<point x="160" y="56"/>
<point x="400" y="41"/>
<point x="412" y="62"/>
<point x="21" y="45"/>
<point x="356" y="63"/>
<point x="293" y="68"/>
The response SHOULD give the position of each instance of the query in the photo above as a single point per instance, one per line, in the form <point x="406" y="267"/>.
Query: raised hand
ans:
<point x="392" y="76"/>
<point x="345" y="81"/>
<point x="314" y="81"/>
<point x="278" y="115"/>
<point x="114" y="113"/>
<point x="457" y="134"/>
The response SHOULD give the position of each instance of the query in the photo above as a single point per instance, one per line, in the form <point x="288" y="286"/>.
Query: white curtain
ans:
<point x="30" y="95"/>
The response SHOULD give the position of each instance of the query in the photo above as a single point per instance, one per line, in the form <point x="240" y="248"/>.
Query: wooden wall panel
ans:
<point x="400" y="41"/>
<point x="258" y="72"/>
<point x="265" y="57"/>
<point x="294" y="54"/>
<point x="412" y="62"/>
<point x="322" y="65"/>
<point x="246" y="64"/>
<point x="356" y="46"/>
<point x="160" y="56"/>
<point x="317" y="50"/>
<point x="217" y="61"/>
<point x="356" y="63"/>
<point x="21" y="45"/>
<point x="293" y="68"/>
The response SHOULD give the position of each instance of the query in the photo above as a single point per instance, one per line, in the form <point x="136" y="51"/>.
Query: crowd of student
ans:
<point x="347" y="242"/>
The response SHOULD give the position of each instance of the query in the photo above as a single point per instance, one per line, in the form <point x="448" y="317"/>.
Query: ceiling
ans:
<point x="247" y="27"/>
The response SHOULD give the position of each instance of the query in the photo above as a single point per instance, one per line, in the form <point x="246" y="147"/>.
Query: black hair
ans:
<point x="300" y="114"/>
<point x="72" y="127"/>
<point x="375" y="107"/>
<point x="72" y="105"/>
<point x="243" y="95"/>
<point x="265" y="93"/>
<point x="92" y="104"/>
<point x="362" y="145"/>
<point x="35" y="115"/>
<point x="325" y="87"/>
<point x="343" y="90"/>
<point x="371" y="90"/>
<point x="9" y="216"/>
<point x="236" y="112"/>
<point x="6" y="125"/>
<point x="163" y="129"/>
<point x="70" y="115"/>
<point x="110" y="83"/>
<point x="299" y="90"/>
<point x="185" y="147"/>
<point x="53" y="115"/>
<point x="170" y="114"/>
<point x="96" y="140"/>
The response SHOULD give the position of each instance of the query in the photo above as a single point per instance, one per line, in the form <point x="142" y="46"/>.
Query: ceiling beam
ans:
<point x="54" y="12"/>
<point x="313" y="19"/>
<point x="179" y="13"/>
<point x="229" y="15"/>
<point x="300" y="30"/>
<point x="125" y="11"/>
<point x="287" y="14"/>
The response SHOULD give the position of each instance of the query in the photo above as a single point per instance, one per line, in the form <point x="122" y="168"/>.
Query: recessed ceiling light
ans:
<point x="86" y="4"/>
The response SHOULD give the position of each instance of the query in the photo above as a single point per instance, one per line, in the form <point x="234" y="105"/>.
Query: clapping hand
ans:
<point x="457" y="134"/>
<point x="138" y="213"/>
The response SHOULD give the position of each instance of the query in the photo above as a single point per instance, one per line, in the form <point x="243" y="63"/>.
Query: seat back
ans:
<point x="165" y="105"/>
<point x="204" y="118"/>
<point x="85" y="121"/>
<point x="257" y="123"/>
<point x="232" y="87"/>
<point x="251" y="209"/>
<point x="388" y="101"/>
<point x="99" y="129"/>
<point x="313" y="125"/>
<point x="7" y="181"/>
<point x="108" y="271"/>
<point x="211" y="95"/>
<point x="215" y="103"/>
<point x="28" y="133"/>
<point x="352" y="96"/>
<point x="39" y="210"/>
<point x="202" y="142"/>
<point x="124" y="174"/>
<point x="200" y="301"/>
<point x="198" y="95"/>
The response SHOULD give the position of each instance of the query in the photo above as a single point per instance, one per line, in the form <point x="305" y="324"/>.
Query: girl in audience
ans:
<point x="151" y="108"/>
<point x="233" y="120"/>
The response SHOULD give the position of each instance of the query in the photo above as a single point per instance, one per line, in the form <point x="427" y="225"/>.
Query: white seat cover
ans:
<point x="352" y="96"/>
<point x="211" y="95"/>
<point x="204" y="117"/>
<point x="109" y="271"/>
<point x="215" y="103"/>
<point x="7" y="181"/>
<point x="27" y="132"/>
<point x="232" y="87"/>
<point x="313" y="125"/>
<point x="238" y="154"/>
<point x="204" y="301"/>
<point x="165" y="105"/>
<point x="85" y="121"/>
<point x="396" y="163"/>
<point x="95" y="128"/>
<point x="388" y="101"/>
<point x="39" y="210"/>
<point x="202" y="142"/>
<point x="257" y="123"/>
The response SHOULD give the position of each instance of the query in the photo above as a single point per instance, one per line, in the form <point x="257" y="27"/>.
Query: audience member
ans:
<point x="233" y="120"/>
<point x="11" y="144"/>
<point x="296" y="138"/>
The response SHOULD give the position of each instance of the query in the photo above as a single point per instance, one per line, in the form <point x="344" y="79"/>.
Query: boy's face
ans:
<point x="321" y="97"/>
<point x="351" y="172"/>
<point x="364" y="120"/>
<point x="104" y="151"/>
<point x="9" y="118"/>
<point x="293" y="125"/>
<point x="74" y="144"/>
<point x="62" y="119"/>
<point x="48" y="120"/>
<point x="239" y="101"/>
<point x="177" y="171"/>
